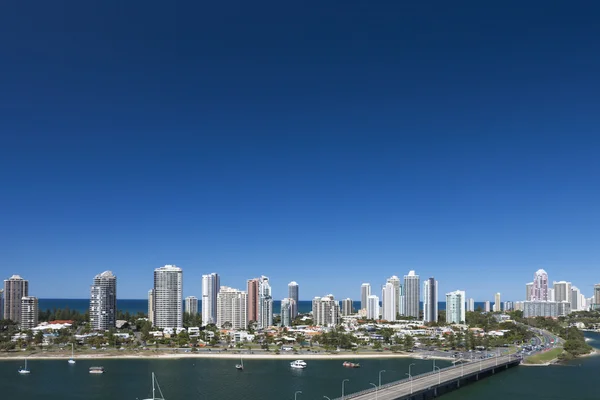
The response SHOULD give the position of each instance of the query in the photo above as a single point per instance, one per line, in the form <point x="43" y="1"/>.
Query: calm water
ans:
<point x="212" y="379"/>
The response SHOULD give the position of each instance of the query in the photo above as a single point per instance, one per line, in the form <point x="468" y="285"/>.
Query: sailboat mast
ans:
<point x="153" y="390"/>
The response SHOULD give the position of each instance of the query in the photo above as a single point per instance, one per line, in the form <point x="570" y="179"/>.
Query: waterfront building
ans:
<point x="528" y="291"/>
<point x="15" y="288"/>
<point x="326" y="311"/>
<point x="29" y="312"/>
<point x="103" y="301"/>
<point x="576" y="299"/>
<point x="287" y="311"/>
<point x="551" y="294"/>
<point x="497" y="303"/>
<point x="373" y="307"/>
<point x="191" y="305"/>
<point x="347" y="307"/>
<point x="471" y="305"/>
<point x="412" y="294"/>
<point x="168" y="297"/>
<point x="293" y="293"/>
<point x="1" y="304"/>
<point x="365" y="292"/>
<point x="252" y="307"/>
<point x="430" y="300"/>
<point x="562" y="291"/>
<point x="211" y="284"/>
<point x="486" y="306"/>
<point x="231" y="308"/>
<point x="455" y="307"/>
<point x="540" y="286"/>
<point x="151" y="306"/>
<point x="265" y="304"/>
<point x="388" y="300"/>
<point x="395" y="281"/>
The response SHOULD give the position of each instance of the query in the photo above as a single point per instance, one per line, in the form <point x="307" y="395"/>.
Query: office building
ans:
<point x="412" y="294"/>
<point x="388" y="299"/>
<point x="252" y="307"/>
<point x="540" y="286"/>
<point x="373" y="307"/>
<point x="562" y="291"/>
<point x="168" y="297"/>
<point x="191" y="305"/>
<point x="455" y="307"/>
<point x="486" y="306"/>
<point x="365" y="292"/>
<point x="326" y="311"/>
<point x="347" y="307"/>
<point x="211" y="284"/>
<point x="15" y="288"/>
<point x="287" y="309"/>
<point x="497" y="303"/>
<point x="103" y="301"/>
<point x="551" y="295"/>
<point x="293" y="294"/>
<point x="395" y="281"/>
<point x="29" y="312"/>
<point x="471" y="305"/>
<point x="151" y="306"/>
<point x="430" y="300"/>
<point x="231" y="308"/>
<point x="265" y="304"/>
<point x="528" y="291"/>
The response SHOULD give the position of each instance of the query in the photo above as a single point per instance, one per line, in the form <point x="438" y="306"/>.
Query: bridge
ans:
<point x="438" y="382"/>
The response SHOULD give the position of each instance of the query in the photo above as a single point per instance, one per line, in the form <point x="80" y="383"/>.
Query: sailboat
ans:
<point x="154" y="386"/>
<point x="240" y="366"/>
<point x="72" y="359"/>
<point x="24" y="371"/>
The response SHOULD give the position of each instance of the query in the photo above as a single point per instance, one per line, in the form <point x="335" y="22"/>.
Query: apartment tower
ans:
<point x="211" y="285"/>
<point x="389" y="299"/>
<point x="365" y="292"/>
<point x="430" y="300"/>
<point x="293" y="293"/>
<point x="455" y="307"/>
<point x="231" y="308"/>
<point x="191" y="305"/>
<point x="15" y="288"/>
<point x="412" y="294"/>
<point x="168" y="297"/>
<point x="29" y="312"/>
<point x="103" y="301"/>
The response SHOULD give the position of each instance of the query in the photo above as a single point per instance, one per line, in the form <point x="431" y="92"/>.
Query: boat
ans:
<point x="96" y="370"/>
<point x="349" y="364"/>
<point x="72" y="359"/>
<point x="154" y="387"/>
<point x="300" y="364"/>
<point x="240" y="366"/>
<point x="24" y="370"/>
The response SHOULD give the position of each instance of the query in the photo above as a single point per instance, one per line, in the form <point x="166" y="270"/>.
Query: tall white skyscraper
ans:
<point x="562" y="291"/>
<point x="455" y="307"/>
<point x="486" y="306"/>
<point x="576" y="299"/>
<point x="528" y="291"/>
<point x="596" y="301"/>
<point x="211" y="284"/>
<point x="103" y="301"/>
<point x="15" y="288"/>
<point x="326" y="311"/>
<point x="497" y="303"/>
<point x="412" y="294"/>
<point x="540" y="286"/>
<point x="430" y="300"/>
<point x="168" y="297"/>
<point x="551" y="294"/>
<point x="1" y="304"/>
<point x="151" y="306"/>
<point x="365" y="292"/>
<point x="293" y="293"/>
<point x="231" y="308"/>
<point x="265" y="303"/>
<point x="287" y="310"/>
<point x="347" y="307"/>
<point x="389" y="299"/>
<point x="395" y="281"/>
<point x="373" y="307"/>
<point x="471" y="305"/>
<point x="29" y="312"/>
<point x="191" y="305"/>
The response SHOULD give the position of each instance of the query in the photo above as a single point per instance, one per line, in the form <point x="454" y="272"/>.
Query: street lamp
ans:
<point x="344" y="381"/>
<point x="439" y="374"/>
<point x="383" y="370"/>
<point x="410" y="376"/>
<point x="375" y="386"/>
<point x="296" y="394"/>
<point x="434" y="364"/>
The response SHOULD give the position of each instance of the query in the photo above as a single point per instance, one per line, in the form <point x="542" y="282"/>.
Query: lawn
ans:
<point x="544" y="357"/>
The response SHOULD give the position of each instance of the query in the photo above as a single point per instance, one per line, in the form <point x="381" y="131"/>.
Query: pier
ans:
<point x="435" y="383"/>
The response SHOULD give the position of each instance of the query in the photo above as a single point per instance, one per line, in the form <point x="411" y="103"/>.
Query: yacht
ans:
<point x="72" y="359"/>
<point x="154" y="386"/>
<point x="24" y="370"/>
<point x="240" y="366"/>
<point x="96" y="370"/>
<point x="300" y="364"/>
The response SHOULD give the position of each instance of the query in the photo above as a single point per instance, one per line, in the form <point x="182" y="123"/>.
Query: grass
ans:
<point x="544" y="357"/>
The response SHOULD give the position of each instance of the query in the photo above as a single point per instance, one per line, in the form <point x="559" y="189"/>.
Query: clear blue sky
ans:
<point x="327" y="142"/>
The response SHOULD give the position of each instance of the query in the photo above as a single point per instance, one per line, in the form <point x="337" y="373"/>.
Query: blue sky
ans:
<point x="330" y="143"/>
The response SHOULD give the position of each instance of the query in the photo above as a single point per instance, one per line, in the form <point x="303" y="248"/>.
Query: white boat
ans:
<point x="24" y="370"/>
<point x="96" y="370"/>
<point x="299" y="364"/>
<point x="72" y="359"/>
<point x="240" y="366"/>
<point x="154" y="386"/>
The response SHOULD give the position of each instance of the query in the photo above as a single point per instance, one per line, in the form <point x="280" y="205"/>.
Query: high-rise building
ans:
<point x="211" y="284"/>
<point x="430" y="300"/>
<point x="287" y="310"/>
<point x="191" y="305"/>
<point x="576" y="299"/>
<point x="293" y="294"/>
<point x="540" y="286"/>
<point x="103" y="301"/>
<point x="1" y="304"/>
<point x="528" y="291"/>
<point x="596" y="302"/>
<point x="151" y="306"/>
<point x="388" y="299"/>
<point x="497" y="303"/>
<point x="252" y="306"/>
<point x="265" y="303"/>
<point x="471" y="305"/>
<point x="395" y="281"/>
<point x="168" y="297"/>
<point x="29" y="312"/>
<point x="365" y="292"/>
<point x="326" y="311"/>
<point x="412" y="294"/>
<point x="373" y="307"/>
<point x="486" y="306"/>
<point x="562" y="291"/>
<point x="455" y="307"/>
<point x="509" y="306"/>
<point x="15" y="288"/>
<point x="551" y="294"/>
<point x="401" y="302"/>
<point x="231" y="308"/>
<point x="347" y="307"/>
<point x="540" y="309"/>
